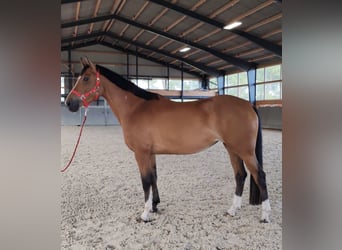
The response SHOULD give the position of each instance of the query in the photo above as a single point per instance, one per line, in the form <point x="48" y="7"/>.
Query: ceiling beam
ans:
<point x="70" y="1"/>
<point x="82" y="37"/>
<point x="188" y="12"/>
<point x="244" y="65"/>
<point x="133" y="52"/>
<point x="200" y="66"/>
<point x="274" y="48"/>
<point x="80" y="45"/>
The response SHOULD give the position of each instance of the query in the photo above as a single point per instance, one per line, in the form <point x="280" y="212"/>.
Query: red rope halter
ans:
<point x="95" y="89"/>
<point x="85" y="104"/>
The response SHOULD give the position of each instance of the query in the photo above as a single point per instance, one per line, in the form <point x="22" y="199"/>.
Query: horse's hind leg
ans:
<point x="259" y="177"/>
<point x="240" y="177"/>
<point x="148" y="172"/>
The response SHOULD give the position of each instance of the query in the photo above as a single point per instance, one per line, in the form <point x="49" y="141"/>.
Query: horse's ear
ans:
<point x="91" y="65"/>
<point x="84" y="61"/>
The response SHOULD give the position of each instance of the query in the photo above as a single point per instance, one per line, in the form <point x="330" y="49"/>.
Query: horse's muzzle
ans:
<point x="73" y="104"/>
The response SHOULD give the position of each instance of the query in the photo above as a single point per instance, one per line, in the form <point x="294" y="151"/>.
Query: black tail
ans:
<point x="254" y="194"/>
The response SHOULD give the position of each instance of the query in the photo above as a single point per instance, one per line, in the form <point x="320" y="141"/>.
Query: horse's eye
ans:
<point x="85" y="78"/>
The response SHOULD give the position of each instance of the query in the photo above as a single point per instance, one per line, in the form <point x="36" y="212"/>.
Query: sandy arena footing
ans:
<point x="102" y="197"/>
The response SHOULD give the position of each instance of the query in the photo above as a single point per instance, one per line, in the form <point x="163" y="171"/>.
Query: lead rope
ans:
<point x="78" y="140"/>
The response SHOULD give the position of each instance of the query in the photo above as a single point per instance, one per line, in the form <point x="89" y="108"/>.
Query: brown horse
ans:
<point x="152" y="124"/>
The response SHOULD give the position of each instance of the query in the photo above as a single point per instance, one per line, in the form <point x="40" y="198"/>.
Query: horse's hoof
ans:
<point x="145" y="217"/>
<point x="139" y="220"/>
<point x="146" y="221"/>
<point x="231" y="212"/>
<point x="265" y="219"/>
<point x="227" y="214"/>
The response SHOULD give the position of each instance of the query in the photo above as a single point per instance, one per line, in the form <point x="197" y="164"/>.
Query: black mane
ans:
<point x="125" y="84"/>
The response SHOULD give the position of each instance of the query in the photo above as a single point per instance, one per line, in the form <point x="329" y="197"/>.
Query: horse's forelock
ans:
<point x="84" y="69"/>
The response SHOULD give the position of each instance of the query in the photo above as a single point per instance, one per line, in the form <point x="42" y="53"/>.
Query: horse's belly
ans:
<point x="183" y="145"/>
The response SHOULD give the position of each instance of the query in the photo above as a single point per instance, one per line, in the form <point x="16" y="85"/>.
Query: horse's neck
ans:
<point x="122" y="102"/>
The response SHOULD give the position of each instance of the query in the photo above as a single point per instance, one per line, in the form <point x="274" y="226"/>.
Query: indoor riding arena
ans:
<point x="180" y="90"/>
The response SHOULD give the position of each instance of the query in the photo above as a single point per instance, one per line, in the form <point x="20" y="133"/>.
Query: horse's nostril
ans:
<point x="68" y="103"/>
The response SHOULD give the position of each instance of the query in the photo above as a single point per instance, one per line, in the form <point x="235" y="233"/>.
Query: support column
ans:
<point x="220" y="84"/>
<point x="251" y="76"/>
<point x="127" y="65"/>
<point x="205" y="82"/>
<point x="182" y="82"/>
<point x="168" y="76"/>
<point x="136" y="64"/>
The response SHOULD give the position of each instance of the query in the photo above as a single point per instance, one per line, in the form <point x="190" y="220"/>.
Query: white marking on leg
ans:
<point x="265" y="211"/>
<point x="236" y="205"/>
<point x="145" y="216"/>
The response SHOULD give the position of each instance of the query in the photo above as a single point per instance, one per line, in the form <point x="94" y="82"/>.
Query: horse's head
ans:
<point x="87" y="87"/>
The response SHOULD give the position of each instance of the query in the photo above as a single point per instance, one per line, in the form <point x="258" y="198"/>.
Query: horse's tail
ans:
<point x="254" y="194"/>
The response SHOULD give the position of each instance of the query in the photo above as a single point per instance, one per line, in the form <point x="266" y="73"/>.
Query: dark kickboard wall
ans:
<point x="271" y="117"/>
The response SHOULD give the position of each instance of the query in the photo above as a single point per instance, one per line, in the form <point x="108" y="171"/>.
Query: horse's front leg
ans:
<point x="148" y="171"/>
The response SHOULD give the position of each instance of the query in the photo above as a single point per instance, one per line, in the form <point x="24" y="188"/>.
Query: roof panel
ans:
<point x="149" y="13"/>
<point x="86" y="9"/>
<point x="261" y="18"/>
<point x="131" y="8"/>
<point x="68" y="12"/>
<point x="105" y="7"/>
<point x="264" y="29"/>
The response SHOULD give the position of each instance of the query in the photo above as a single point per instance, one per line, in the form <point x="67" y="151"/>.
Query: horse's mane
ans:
<point x="125" y="84"/>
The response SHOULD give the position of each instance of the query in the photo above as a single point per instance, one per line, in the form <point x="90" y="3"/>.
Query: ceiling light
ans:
<point x="185" y="49"/>
<point x="232" y="25"/>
